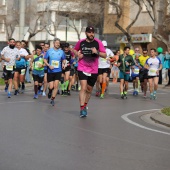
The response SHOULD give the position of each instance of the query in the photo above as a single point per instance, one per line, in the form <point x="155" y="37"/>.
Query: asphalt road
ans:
<point x="36" y="136"/>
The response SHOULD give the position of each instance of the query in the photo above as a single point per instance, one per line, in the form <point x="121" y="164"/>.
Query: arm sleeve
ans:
<point x="77" y="46"/>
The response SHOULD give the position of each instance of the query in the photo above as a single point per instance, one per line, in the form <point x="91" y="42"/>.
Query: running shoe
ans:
<point x="72" y="87"/>
<point x="97" y="93"/>
<point x="22" y="88"/>
<point x="154" y="97"/>
<point x="9" y="95"/>
<point x="65" y="93"/>
<point x="83" y="113"/>
<point x="134" y="93"/>
<point x="52" y="102"/>
<point x="102" y="96"/>
<point x="39" y="92"/>
<point x="144" y="96"/>
<point x="35" y="96"/>
<point x="6" y="88"/>
<point x="137" y="93"/>
<point x="49" y="95"/>
<point x="43" y="94"/>
<point x="16" y="92"/>
<point x="151" y="97"/>
<point x="125" y="96"/>
<point x="68" y="93"/>
<point x="122" y="96"/>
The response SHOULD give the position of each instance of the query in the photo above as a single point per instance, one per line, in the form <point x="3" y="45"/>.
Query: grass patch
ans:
<point x="2" y="81"/>
<point x="166" y="111"/>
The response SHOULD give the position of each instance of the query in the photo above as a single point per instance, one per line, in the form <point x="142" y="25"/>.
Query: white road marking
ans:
<point x="17" y="102"/>
<point x="125" y="117"/>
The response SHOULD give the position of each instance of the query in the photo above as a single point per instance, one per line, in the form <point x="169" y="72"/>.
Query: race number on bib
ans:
<point x="22" y="71"/>
<point x="87" y="74"/>
<point x="152" y="72"/>
<point x="9" y="68"/>
<point x="37" y="64"/>
<point x="55" y="64"/>
<point x="103" y="60"/>
<point x="136" y="71"/>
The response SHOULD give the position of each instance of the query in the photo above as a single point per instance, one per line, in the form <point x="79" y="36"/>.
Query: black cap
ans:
<point x="89" y="29"/>
<point x="66" y="45"/>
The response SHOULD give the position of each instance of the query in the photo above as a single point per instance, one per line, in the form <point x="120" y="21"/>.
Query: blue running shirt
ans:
<point x="55" y="58"/>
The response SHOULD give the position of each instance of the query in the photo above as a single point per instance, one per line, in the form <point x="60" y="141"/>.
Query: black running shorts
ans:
<point x="53" y="76"/>
<point x="91" y="80"/>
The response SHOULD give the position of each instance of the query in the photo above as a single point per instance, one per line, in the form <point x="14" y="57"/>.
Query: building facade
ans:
<point x="46" y="19"/>
<point x="142" y="29"/>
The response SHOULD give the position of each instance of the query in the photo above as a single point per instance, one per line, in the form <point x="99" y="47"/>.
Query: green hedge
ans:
<point x="2" y="81"/>
<point x="166" y="111"/>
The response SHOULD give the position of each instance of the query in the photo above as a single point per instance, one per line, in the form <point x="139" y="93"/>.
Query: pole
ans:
<point x="48" y="17"/>
<point x="21" y="19"/>
<point x="66" y="28"/>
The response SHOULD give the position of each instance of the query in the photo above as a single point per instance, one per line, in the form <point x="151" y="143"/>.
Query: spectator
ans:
<point x="167" y="65"/>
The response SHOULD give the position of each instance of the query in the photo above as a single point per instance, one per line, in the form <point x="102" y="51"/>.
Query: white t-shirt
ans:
<point x="8" y="52"/>
<point x="23" y="52"/>
<point x="103" y="62"/>
<point x="153" y="64"/>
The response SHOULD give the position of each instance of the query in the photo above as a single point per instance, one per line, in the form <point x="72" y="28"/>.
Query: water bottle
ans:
<point x="16" y="56"/>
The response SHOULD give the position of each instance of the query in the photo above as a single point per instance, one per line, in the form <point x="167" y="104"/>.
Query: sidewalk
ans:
<point x="161" y="118"/>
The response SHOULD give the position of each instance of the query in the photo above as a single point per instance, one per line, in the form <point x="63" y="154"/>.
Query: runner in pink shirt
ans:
<point x="88" y="51"/>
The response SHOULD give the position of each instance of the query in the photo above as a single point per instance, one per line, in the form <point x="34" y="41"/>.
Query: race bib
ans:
<point x="55" y="64"/>
<point x="37" y="64"/>
<point x="136" y="71"/>
<point x="22" y="71"/>
<point x="87" y="74"/>
<point x="9" y="68"/>
<point x="103" y="60"/>
<point x="152" y="72"/>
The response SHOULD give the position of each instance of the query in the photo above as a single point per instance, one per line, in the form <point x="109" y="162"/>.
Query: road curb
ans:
<point x="160" y="118"/>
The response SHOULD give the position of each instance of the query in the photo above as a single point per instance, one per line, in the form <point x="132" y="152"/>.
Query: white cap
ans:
<point x="104" y="43"/>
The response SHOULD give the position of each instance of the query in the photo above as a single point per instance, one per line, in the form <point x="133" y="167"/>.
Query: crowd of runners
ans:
<point x="64" y="67"/>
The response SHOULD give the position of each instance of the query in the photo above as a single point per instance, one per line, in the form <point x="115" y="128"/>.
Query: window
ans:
<point x="111" y="8"/>
<point x="146" y="6"/>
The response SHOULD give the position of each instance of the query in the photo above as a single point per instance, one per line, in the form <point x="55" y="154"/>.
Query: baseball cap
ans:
<point x="66" y="45"/>
<point x="89" y="29"/>
<point x="104" y="43"/>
